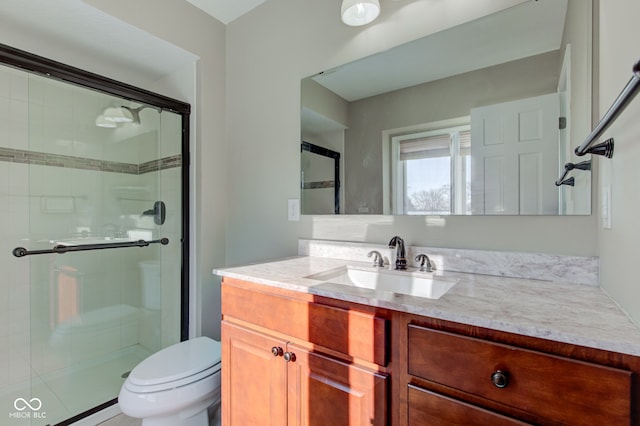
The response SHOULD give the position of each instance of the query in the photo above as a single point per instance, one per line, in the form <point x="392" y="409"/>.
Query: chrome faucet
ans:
<point x="401" y="259"/>
<point x="425" y="263"/>
<point x="378" y="261"/>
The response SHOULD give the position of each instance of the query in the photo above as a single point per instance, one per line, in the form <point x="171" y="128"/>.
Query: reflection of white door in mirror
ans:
<point x="514" y="150"/>
<point x="565" y="196"/>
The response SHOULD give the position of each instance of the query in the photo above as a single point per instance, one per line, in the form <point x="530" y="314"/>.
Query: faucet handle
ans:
<point x="425" y="263"/>
<point x="378" y="261"/>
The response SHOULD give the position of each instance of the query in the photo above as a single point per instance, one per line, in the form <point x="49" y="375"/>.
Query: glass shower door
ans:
<point x="94" y="171"/>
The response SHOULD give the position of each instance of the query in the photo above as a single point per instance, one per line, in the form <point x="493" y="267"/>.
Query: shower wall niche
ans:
<point x="73" y="324"/>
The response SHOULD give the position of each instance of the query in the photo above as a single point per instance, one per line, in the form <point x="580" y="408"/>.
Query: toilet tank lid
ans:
<point x="176" y="362"/>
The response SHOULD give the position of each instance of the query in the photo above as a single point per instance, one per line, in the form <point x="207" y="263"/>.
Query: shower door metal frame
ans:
<point x="62" y="72"/>
<point x="325" y="152"/>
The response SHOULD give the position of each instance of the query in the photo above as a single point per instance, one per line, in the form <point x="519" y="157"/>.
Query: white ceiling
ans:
<point x="226" y="10"/>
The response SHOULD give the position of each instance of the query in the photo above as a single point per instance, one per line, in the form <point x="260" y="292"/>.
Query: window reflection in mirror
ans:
<point x="431" y="172"/>
<point x="523" y="53"/>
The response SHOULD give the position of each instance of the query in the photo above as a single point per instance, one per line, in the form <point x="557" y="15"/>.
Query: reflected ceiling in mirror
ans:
<point x="465" y="121"/>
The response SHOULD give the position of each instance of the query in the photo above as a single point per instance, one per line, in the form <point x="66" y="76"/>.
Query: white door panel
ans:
<point x="514" y="150"/>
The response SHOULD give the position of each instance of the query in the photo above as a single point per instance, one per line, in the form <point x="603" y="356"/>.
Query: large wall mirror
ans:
<point x="478" y="119"/>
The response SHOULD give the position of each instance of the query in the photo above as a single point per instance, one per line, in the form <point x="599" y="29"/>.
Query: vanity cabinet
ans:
<point x="458" y="379"/>
<point x="295" y="362"/>
<point x="292" y="358"/>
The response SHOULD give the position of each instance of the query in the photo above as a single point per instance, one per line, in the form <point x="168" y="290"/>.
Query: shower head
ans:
<point x="135" y="112"/>
<point x="121" y="114"/>
<point x="103" y="122"/>
<point x="115" y="115"/>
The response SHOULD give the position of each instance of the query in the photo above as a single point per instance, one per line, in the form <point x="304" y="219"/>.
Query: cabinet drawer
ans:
<point x="429" y="408"/>
<point x="358" y="334"/>
<point x="553" y="387"/>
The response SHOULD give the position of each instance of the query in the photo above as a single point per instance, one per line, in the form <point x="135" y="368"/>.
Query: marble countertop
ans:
<point x="571" y="313"/>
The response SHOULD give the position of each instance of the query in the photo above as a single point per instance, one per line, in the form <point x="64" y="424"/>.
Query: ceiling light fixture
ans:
<point x="359" y="12"/>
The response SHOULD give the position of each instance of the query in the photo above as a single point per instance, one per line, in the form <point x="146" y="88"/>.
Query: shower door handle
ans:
<point x="59" y="249"/>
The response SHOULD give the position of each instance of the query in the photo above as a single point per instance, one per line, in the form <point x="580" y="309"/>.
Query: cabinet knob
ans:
<point x="500" y="379"/>
<point x="277" y="351"/>
<point x="289" y="356"/>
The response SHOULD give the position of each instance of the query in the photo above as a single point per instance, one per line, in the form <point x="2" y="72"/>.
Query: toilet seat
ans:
<point x="176" y="366"/>
<point x="173" y="384"/>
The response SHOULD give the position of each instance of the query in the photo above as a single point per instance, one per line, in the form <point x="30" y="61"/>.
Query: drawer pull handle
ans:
<point x="277" y="351"/>
<point x="289" y="356"/>
<point x="500" y="379"/>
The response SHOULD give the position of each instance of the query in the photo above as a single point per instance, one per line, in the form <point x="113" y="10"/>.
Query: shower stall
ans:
<point x="93" y="236"/>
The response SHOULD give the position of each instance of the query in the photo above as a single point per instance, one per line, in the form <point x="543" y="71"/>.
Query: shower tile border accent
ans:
<point x="71" y="162"/>
<point x="319" y="184"/>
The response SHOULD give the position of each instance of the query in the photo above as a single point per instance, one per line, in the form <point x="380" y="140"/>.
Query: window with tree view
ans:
<point x="433" y="172"/>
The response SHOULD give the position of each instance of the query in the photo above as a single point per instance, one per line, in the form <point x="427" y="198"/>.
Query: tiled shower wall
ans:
<point x="62" y="177"/>
<point x="14" y="227"/>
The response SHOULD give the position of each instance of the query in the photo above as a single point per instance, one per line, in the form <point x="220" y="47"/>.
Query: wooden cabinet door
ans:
<point x="254" y="381"/>
<point x="324" y="391"/>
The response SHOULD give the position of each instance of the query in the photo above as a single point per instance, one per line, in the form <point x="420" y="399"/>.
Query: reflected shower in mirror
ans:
<point x="320" y="179"/>
<point x="473" y="120"/>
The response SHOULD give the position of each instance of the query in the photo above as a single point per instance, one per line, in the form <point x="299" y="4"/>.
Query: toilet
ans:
<point x="175" y="386"/>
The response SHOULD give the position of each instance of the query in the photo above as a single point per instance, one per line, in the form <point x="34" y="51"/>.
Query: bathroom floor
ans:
<point x="63" y="393"/>
<point x="122" y="420"/>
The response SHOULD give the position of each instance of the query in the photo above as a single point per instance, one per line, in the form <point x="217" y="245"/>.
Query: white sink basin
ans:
<point x="420" y="284"/>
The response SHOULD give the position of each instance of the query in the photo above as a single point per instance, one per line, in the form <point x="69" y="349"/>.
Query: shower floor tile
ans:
<point x="91" y="385"/>
<point x="73" y="390"/>
<point x="50" y="405"/>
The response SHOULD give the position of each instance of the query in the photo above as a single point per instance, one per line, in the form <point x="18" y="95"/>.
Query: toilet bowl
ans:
<point x="175" y="386"/>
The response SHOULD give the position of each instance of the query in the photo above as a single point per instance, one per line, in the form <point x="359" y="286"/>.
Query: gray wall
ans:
<point x="250" y="95"/>
<point x="269" y="51"/>
<point x="619" y="246"/>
